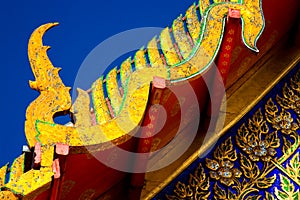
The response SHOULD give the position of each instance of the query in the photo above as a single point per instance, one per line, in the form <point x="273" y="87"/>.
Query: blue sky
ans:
<point x="83" y="25"/>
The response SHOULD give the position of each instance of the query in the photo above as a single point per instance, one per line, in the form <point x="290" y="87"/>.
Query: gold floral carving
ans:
<point x="290" y="98"/>
<point x="267" y="142"/>
<point x="287" y="190"/>
<point x="198" y="187"/>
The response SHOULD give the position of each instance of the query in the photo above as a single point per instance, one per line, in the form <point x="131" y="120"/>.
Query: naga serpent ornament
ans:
<point x="193" y="53"/>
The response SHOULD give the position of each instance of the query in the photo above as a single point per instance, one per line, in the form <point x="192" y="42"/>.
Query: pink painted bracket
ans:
<point x="37" y="152"/>
<point x="234" y="13"/>
<point x="93" y="116"/>
<point x="62" y="149"/>
<point x="56" y="168"/>
<point x="159" y="82"/>
<point x="110" y="107"/>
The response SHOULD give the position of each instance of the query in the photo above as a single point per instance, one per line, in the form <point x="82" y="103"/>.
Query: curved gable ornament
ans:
<point x="55" y="97"/>
<point x="192" y="57"/>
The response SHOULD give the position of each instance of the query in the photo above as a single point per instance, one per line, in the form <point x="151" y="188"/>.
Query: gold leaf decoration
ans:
<point x="219" y="192"/>
<point x="268" y="196"/>
<point x="291" y="95"/>
<point x="287" y="191"/>
<point x="271" y="109"/>
<point x="273" y="140"/>
<point x="241" y="140"/>
<point x="198" y="187"/>
<point x="284" y="123"/>
<point x="222" y="167"/>
<point x="264" y="182"/>
<point x="280" y="121"/>
<point x="250" y="170"/>
<point x="286" y="145"/>
<point x="242" y="176"/>
<point x="225" y="151"/>
<point x="293" y="168"/>
<point x="250" y="140"/>
<point x="287" y="95"/>
<point x="231" y="195"/>
<point x="257" y="123"/>
<point x="55" y="97"/>
<point x="253" y="197"/>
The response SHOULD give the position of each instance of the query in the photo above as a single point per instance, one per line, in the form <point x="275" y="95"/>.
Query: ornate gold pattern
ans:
<point x="99" y="102"/>
<point x="129" y="108"/>
<point x="17" y="168"/>
<point x="140" y="59"/>
<point x="54" y="93"/>
<point x="293" y="168"/>
<point x="291" y="95"/>
<point x="8" y="195"/>
<point x="222" y="168"/>
<point x="251" y="142"/>
<point x="287" y="189"/>
<point x="54" y="96"/>
<point x="181" y="37"/>
<point x="168" y="48"/>
<point x="33" y="180"/>
<point x="193" y="23"/>
<point x="3" y="171"/>
<point x="198" y="187"/>
<point x="113" y="90"/>
<point x="268" y="142"/>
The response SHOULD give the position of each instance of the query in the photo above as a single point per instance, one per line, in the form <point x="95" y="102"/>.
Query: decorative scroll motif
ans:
<point x="196" y="59"/>
<point x="3" y="172"/>
<point x="260" y="161"/>
<point x="186" y="57"/>
<point x="181" y="59"/>
<point x="54" y="96"/>
<point x="287" y="190"/>
<point x="291" y="98"/>
<point x="198" y="187"/>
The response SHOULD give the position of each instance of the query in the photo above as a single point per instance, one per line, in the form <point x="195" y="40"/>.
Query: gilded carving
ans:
<point x="198" y="187"/>
<point x="3" y="171"/>
<point x="221" y="168"/>
<point x="54" y="96"/>
<point x="131" y="105"/>
<point x="287" y="190"/>
<point x="269" y="141"/>
<point x="291" y="95"/>
<point x="118" y="115"/>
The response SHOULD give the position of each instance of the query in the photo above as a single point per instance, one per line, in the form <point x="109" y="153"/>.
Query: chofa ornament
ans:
<point x="120" y="115"/>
